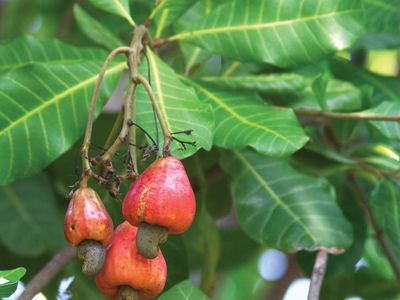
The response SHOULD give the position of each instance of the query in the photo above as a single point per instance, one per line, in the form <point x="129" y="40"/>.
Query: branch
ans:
<point x="350" y="116"/>
<point x="53" y="267"/>
<point x="318" y="275"/>
<point x="90" y="120"/>
<point x="379" y="233"/>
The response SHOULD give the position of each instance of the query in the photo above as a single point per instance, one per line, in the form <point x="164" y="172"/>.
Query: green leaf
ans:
<point x="31" y="218"/>
<point x="385" y="200"/>
<point x="382" y="15"/>
<point x="388" y="129"/>
<point x="11" y="277"/>
<point x="269" y="83"/>
<point x="192" y="54"/>
<point x="29" y="49"/>
<point x="382" y="40"/>
<point x="179" y="105"/>
<point x="339" y="96"/>
<point x="47" y="108"/>
<point x="95" y="30"/>
<point x="363" y="283"/>
<point x="116" y="7"/>
<point x="282" y="208"/>
<point x="243" y="119"/>
<point x="176" y="257"/>
<point x="385" y="88"/>
<point x="319" y="88"/>
<point x="183" y="291"/>
<point x="168" y="11"/>
<point x="281" y="32"/>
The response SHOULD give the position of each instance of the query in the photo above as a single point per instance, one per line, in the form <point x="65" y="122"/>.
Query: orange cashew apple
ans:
<point x="88" y="225"/>
<point x="128" y="275"/>
<point x="159" y="202"/>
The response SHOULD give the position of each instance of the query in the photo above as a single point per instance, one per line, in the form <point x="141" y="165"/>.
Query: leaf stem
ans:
<point x="164" y="127"/>
<point x="49" y="271"/>
<point x="318" y="274"/>
<point x="351" y="116"/>
<point x="379" y="233"/>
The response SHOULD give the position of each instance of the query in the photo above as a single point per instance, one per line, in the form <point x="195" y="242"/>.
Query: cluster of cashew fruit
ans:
<point x="127" y="262"/>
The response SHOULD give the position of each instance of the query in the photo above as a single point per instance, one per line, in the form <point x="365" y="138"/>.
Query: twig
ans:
<point x="318" y="275"/>
<point x="86" y="143"/>
<point x="350" y="116"/>
<point x="379" y="233"/>
<point x="53" y="267"/>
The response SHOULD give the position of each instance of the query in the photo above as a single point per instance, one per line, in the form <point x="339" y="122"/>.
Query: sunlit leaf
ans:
<point x="116" y="7"/>
<point x="28" y="49"/>
<point x="168" y="11"/>
<point x="281" y="32"/>
<point x="283" y="208"/>
<point x="179" y="105"/>
<point x="243" y="119"/>
<point x="43" y="111"/>
<point x="10" y="278"/>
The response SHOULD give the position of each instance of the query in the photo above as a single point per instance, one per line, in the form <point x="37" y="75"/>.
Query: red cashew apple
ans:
<point x="128" y="275"/>
<point x="88" y="225"/>
<point x="160" y="201"/>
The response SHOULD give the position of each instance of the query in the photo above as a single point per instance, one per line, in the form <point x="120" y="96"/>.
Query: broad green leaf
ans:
<point x="339" y="96"/>
<point x="29" y="49"/>
<point x="10" y="279"/>
<point x="116" y="7"/>
<point x="243" y="119"/>
<point x="385" y="88"/>
<point x="179" y="105"/>
<point x="388" y="129"/>
<point x="385" y="200"/>
<point x="183" y="291"/>
<point x="192" y="54"/>
<point x="168" y="11"/>
<point x="43" y="111"/>
<point x="31" y="219"/>
<point x="95" y="30"/>
<point x="283" y="208"/>
<point x="382" y="15"/>
<point x="281" y="32"/>
<point x="269" y="83"/>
